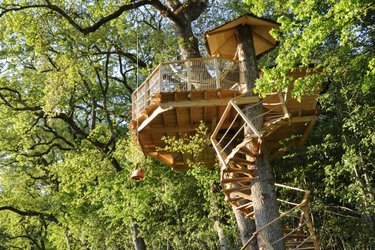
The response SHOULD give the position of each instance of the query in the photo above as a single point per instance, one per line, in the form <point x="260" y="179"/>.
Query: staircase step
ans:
<point x="236" y="199"/>
<point x="242" y="148"/>
<point x="241" y="188"/>
<point x="240" y="161"/>
<point x="297" y="236"/>
<point x="247" y="206"/>
<point x="250" y="214"/>
<point x="240" y="171"/>
<point x="246" y="151"/>
<point x="236" y="179"/>
<point x="297" y="243"/>
<point x="243" y="195"/>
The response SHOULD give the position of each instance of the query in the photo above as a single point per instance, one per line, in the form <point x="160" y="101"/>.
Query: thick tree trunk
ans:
<point x="262" y="187"/>
<point x="184" y="13"/>
<point x="188" y="43"/>
<point x="139" y="243"/>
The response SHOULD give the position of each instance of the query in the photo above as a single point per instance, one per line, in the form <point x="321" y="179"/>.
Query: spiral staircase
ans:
<point x="171" y="103"/>
<point x="237" y="150"/>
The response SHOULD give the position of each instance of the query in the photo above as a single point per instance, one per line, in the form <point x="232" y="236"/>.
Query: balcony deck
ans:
<point x="178" y="96"/>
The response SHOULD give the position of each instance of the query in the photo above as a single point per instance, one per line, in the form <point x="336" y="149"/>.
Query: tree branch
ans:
<point x="70" y="20"/>
<point x="18" y="100"/>
<point x="30" y="213"/>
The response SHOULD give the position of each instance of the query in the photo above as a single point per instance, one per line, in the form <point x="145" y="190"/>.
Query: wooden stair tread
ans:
<point x="238" y="170"/>
<point x="241" y="161"/>
<point x="246" y="205"/>
<point x="236" y="179"/>
<point x="298" y="236"/>
<point x="241" y="148"/>
<point x="232" y="200"/>
<point x="240" y="188"/>
<point x="243" y="195"/>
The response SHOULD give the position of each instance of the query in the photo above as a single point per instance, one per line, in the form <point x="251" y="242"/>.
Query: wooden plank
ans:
<point x="238" y="160"/>
<point x="243" y="195"/>
<point x="239" y="170"/>
<point x="239" y="179"/>
<point x="246" y="100"/>
<point x="177" y="114"/>
<point x="196" y="103"/>
<point x="152" y="117"/>
<point x="307" y="131"/>
<point x="235" y="189"/>
<point x="246" y="205"/>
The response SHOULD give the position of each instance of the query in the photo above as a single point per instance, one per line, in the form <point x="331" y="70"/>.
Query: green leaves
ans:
<point x="334" y="39"/>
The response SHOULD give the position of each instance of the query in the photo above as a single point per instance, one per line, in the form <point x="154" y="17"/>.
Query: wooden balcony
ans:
<point x="176" y="97"/>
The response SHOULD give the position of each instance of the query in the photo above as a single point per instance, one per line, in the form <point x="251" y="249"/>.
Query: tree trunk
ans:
<point x="188" y="43"/>
<point x="246" y="227"/>
<point x="262" y="187"/>
<point x="223" y="239"/>
<point x="185" y="13"/>
<point x="138" y="241"/>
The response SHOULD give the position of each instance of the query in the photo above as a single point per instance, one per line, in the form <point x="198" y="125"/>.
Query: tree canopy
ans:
<point x="67" y="71"/>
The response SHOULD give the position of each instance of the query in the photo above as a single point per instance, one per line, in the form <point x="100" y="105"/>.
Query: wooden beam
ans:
<point x="166" y="158"/>
<point x="298" y="119"/>
<point x="196" y="103"/>
<point x="307" y="131"/>
<point x="152" y="117"/>
<point x="246" y="100"/>
<point x="213" y="124"/>
<point x="184" y="127"/>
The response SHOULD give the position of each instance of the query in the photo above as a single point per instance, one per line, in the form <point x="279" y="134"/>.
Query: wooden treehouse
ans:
<point x="178" y="96"/>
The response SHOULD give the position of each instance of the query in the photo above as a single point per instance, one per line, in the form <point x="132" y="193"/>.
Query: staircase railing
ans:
<point x="298" y="231"/>
<point x="274" y="115"/>
<point x="186" y="75"/>
<point x="237" y="162"/>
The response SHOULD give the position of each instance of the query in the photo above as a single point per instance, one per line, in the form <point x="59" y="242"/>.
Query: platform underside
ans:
<point x="178" y="114"/>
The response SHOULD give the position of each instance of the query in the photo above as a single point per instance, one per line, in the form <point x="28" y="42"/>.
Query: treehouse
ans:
<point x="177" y="96"/>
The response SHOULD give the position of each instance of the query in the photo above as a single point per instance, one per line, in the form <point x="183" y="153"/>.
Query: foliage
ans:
<point x="207" y="179"/>
<point x="335" y="38"/>
<point x="67" y="71"/>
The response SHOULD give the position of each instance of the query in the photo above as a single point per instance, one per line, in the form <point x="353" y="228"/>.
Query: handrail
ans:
<point x="303" y="203"/>
<point x="148" y="78"/>
<point x="205" y="73"/>
<point x="198" y="59"/>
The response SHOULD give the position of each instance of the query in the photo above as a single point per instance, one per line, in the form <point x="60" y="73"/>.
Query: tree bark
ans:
<point x="262" y="187"/>
<point x="184" y="14"/>
<point x="139" y="243"/>
<point x="246" y="226"/>
<point x="223" y="239"/>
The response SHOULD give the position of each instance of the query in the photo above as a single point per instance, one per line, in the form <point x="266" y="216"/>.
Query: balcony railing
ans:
<point x="186" y="75"/>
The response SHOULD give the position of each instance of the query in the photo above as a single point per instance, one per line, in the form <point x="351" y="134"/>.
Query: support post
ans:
<point x="217" y="72"/>
<point x="188" y="67"/>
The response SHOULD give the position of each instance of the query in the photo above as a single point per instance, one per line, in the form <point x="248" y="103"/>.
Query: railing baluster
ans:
<point x="163" y="80"/>
<point x="160" y="78"/>
<point x="188" y="66"/>
<point x="217" y="72"/>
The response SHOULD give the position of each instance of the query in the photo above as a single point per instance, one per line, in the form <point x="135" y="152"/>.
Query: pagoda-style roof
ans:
<point x="222" y="41"/>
